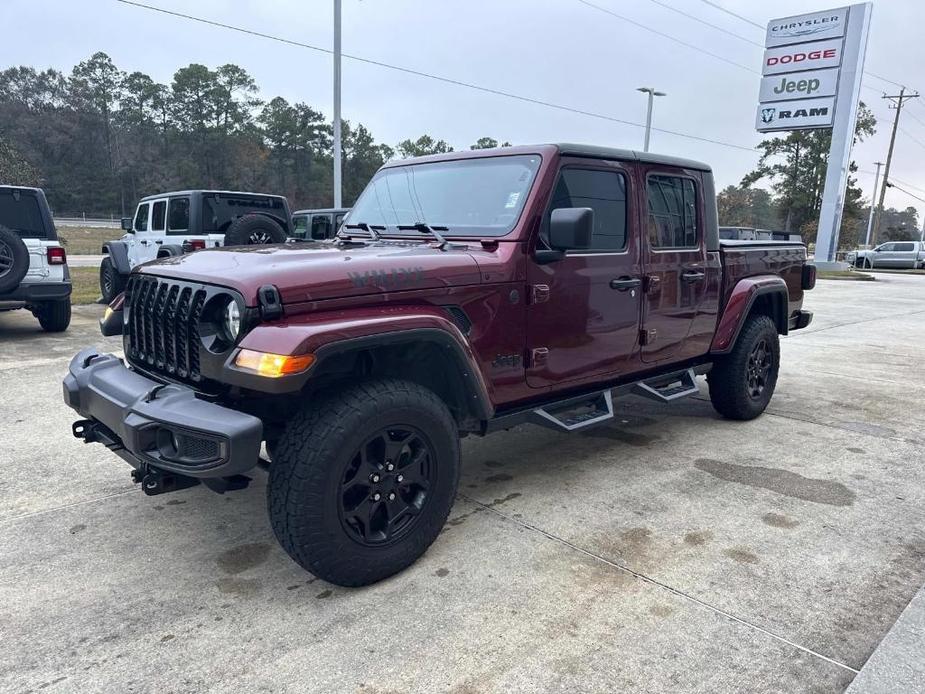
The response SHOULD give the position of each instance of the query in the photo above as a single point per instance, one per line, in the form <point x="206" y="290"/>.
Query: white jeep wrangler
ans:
<point x="33" y="264"/>
<point x="171" y="224"/>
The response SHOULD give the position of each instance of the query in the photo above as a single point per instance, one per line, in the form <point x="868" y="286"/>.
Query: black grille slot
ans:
<point x="196" y="448"/>
<point x="163" y="326"/>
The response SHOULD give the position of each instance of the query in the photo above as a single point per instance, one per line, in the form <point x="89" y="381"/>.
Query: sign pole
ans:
<point x="873" y="205"/>
<point x="338" y="202"/>
<point x="846" y="111"/>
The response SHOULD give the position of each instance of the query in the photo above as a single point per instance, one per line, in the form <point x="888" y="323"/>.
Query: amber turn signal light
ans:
<point x="273" y="365"/>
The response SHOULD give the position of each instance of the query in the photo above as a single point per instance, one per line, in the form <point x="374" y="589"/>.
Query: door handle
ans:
<point x="158" y="242"/>
<point x="622" y="284"/>
<point x="692" y="276"/>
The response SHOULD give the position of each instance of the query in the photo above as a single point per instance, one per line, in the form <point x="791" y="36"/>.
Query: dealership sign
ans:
<point x="806" y="56"/>
<point x="796" y="115"/>
<point x="813" y="84"/>
<point x="808" y="27"/>
<point x="811" y="78"/>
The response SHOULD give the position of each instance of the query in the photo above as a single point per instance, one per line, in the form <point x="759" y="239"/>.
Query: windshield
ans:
<point x="22" y="215"/>
<point x="467" y="197"/>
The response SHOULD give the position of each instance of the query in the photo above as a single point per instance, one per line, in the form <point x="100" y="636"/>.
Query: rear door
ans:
<point x="904" y="254"/>
<point x="678" y="271"/>
<point x="583" y="310"/>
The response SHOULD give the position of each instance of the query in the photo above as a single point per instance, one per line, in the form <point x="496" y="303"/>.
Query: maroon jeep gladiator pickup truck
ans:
<point x="466" y="293"/>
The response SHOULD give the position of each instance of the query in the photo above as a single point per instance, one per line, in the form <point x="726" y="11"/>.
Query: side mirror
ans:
<point x="127" y="224"/>
<point x="877" y="249"/>
<point x="570" y="228"/>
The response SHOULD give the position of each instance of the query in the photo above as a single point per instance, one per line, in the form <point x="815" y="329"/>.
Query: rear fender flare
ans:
<point x="740" y="305"/>
<point x="169" y="251"/>
<point x="118" y="253"/>
<point x="329" y="336"/>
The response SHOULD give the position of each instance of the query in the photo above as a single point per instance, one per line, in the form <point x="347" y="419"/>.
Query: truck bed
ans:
<point x="743" y="259"/>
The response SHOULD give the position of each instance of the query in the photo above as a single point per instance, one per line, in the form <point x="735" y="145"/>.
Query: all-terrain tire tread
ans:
<point x="726" y="378"/>
<point x="296" y="485"/>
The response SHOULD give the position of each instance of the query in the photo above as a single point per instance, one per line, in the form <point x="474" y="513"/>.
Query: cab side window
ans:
<point x="672" y="202"/>
<point x="178" y="215"/>
<point x="141" y="218"/>
<point x="299" y="226"/>
<point x="321" y="226"/>
<point x="602" y="191"/>
<point x="157" y="215"/>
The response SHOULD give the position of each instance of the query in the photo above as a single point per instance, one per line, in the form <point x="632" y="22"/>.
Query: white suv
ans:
<point x="170" y="224"/>
<point x="33" y="264"/>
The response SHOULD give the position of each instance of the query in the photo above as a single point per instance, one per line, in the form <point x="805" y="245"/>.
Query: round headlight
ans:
<point x="232" y="322"/>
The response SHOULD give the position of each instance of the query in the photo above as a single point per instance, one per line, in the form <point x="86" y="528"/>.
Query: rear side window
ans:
<point x="157" y="215"/>
<point x="219" y="210"/>
<point x="22" y="215"/>
<point x="904" y="247"/>
<point x="672" y="202"/>
<point x="602" y="191"/>
<point x="321" y="226"/>
<point x="141" y="218"/>
<point x="178" y="215"/>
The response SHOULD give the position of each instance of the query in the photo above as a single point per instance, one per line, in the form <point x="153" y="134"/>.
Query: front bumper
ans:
<point x="153" y="425"/>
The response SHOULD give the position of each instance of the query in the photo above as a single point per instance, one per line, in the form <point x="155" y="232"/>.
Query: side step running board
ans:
<point x="576" y="415"/>
<point x="668" y="388"/>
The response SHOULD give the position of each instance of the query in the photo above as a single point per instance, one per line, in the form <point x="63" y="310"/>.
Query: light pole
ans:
<point x="652" y="94"/>
<point x="337" y="130"/>
<point x="870" y="218"/>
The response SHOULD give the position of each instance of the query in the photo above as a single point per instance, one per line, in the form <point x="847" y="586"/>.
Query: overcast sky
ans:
<point x="560" y="51"/>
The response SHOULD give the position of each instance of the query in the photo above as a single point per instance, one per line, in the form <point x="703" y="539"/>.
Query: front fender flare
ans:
<point x="740" y="305"/>
<point x="118" y="253"/>
<point x="330" y="334"/>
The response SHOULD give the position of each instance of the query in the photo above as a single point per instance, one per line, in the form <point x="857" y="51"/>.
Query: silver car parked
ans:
<point x="892" y="254"/>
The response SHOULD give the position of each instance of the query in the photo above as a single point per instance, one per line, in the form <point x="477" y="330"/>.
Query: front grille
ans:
<point x="163" y="325"/>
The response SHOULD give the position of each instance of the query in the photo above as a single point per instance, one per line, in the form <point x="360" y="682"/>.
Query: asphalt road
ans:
<point x="84" y="260"/>
<point x="671" y="551"/>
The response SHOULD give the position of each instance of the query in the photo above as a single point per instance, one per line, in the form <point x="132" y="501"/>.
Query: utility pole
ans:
<point x="898" y="100"/>
<point x="338" y="201"/>
<point x="873" y="196"/>
<point x="652" y="94"/>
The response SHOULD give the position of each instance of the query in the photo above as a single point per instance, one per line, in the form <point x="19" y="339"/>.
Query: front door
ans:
<point x="140" y="242"/>
<point x="583" y="310"/>
<point x="678" y="270"/>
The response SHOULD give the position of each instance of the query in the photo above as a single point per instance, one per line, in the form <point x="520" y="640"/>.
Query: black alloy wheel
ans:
<point x="759" y="369"/>
<point x="385" y="486"/>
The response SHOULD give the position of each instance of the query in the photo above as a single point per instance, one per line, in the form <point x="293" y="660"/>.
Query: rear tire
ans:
<point x="254" y="230"/>
<point x="743" y="381"/>
<point x="112" y="283"/>
<point x="54" y="316"/>
<point x="335" y="504"/>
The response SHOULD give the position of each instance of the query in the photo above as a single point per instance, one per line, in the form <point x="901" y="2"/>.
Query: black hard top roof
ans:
<point x="323" y="210"/>
<point x="565" y="149"/>
<point x="207" y="192"/>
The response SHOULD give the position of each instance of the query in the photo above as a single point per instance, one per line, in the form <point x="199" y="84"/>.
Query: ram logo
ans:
<point x="767" y="114"/>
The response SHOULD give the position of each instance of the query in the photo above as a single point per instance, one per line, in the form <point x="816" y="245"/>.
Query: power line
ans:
<point x="663" y="35"/>
<point x="730" y="12"/>
<point x="916" y="197"/>
<point x="912" y="137"/>
<point x="418" y="73"/>
<point x="706" y="23"/>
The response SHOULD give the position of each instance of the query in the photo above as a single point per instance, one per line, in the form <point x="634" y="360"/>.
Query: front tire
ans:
<point x="111" y="282"/>
<point x="743" y="381"/>
<point x="362" y="482"/>
<point x="54" y="316"/>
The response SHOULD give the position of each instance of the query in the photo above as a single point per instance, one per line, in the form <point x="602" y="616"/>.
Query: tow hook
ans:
<point x="154" y="482"/>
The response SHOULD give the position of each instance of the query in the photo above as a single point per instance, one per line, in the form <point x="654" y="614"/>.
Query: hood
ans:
<point x="316" y="271"/>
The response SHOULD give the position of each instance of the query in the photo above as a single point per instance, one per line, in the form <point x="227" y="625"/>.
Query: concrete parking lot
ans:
<point x="671" y="551"/>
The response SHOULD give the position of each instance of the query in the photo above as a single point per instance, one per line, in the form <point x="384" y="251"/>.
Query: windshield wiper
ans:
<point x="425" y="228"/>
<point x="371" y="229"/>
